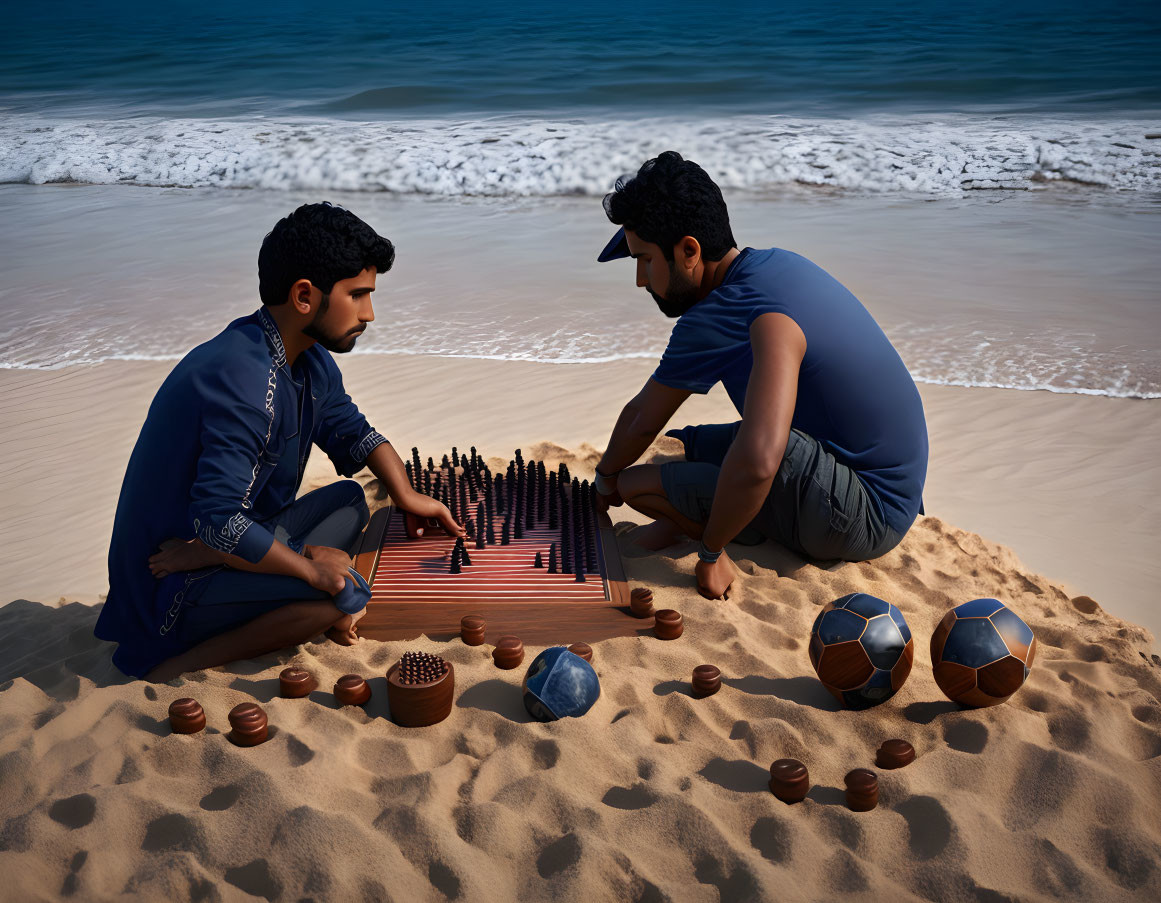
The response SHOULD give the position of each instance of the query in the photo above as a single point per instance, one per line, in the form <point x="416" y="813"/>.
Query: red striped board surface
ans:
<point x="413" y="592"/>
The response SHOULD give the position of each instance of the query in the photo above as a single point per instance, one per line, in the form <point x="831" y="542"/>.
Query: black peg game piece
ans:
<point x="538" y="562"/>
<point x="552" y="565"/>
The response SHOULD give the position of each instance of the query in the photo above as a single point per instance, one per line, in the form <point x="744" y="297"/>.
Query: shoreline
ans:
<point x="1061" y="479"/>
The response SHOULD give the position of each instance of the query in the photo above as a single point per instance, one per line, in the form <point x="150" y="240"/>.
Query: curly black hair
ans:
<point x="671" y="198"/>
<point x="322" y="243"/>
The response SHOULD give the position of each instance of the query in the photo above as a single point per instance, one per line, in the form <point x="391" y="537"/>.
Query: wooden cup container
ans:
<point x="509" y="652"/>
<point x="294" y="683"/>
<point x="248" y="724"/>
<point x="862" y="790"/>
<point x="186" y="716"/>
<point x="419" y="705"/>
<point x="584" y="650"/>
<point x="351" y="689"/>
<point x="472" y="630"/>
<point x="789" y="780"/>
<point x="707" y="680"/>
<point x="895" y="754"/>
<point x="641" y="602"/>
<point x="667" y="624"/>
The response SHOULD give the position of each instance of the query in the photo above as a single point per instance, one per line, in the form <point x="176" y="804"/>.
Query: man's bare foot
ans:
<point x="182" y="555"/>
<point x="344" y="630"/>
<point x="658" y="535"/>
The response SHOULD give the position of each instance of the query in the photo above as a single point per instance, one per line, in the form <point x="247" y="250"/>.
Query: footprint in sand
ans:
<point x="629" y="798"/>
<point x="1043" y="785"/>
<point x="75" y="811"/>
<point x="1069" y="729"/>
<point x="221" y="798"/>
<point x="844" y="874"/>
<point x="740" y="776"/>
<point x="444" y="880"/>
<point x="559" y="855"/>
<point x="298" y="751"/>
<point x="772" y="838"/>
<point x="173" y="832"/>
<point x="740" y="885"/>
<point x="255" y="878"/>
<point x="928" y="822"/>
<point x="71" y="881"/>
<point x="966" y="736"/>
<point x="546" y="753"/>
<point x="1085" y="605"/>
<point x="743" y="731"/>
<point x="1131" y="858"/>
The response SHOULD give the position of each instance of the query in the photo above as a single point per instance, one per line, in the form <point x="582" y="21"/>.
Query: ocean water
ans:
<point x="982" y="175"/>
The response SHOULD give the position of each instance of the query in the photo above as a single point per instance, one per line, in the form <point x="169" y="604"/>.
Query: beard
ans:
<point x="336" y="344"/>
<point x="680" y="296"/>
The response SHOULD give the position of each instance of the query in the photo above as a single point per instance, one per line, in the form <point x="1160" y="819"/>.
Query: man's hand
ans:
<point x="714" y="580"/>
<point x="328" y="568"/>
<point x="426" y="507"/>
<point x="613" y="499"/>
<point x="182" y="555"/>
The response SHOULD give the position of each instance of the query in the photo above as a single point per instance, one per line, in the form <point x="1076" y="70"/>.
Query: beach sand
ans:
<point x="653" y="795"/>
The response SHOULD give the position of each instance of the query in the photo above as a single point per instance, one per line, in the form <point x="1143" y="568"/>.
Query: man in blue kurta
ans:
<point x="212" y="558"/>
<point x="830" y="456"/>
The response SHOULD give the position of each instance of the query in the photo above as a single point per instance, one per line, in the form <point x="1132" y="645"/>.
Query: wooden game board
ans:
<point x="413" y="593"/>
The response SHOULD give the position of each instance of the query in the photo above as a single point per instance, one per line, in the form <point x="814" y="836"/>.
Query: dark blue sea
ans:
<point x="523" y="98"/>
<point x="980" y="174"/>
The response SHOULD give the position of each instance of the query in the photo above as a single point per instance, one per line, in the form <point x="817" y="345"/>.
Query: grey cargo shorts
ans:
<point x="817" y="506"/>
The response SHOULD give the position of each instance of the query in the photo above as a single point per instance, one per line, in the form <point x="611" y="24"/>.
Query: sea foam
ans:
<point x="502" y="157"/>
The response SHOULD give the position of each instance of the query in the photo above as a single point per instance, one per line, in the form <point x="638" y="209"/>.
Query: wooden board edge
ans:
<point x="367" y="550"/>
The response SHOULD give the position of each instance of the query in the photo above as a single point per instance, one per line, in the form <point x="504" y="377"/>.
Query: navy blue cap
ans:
<point x="617" y="248"/>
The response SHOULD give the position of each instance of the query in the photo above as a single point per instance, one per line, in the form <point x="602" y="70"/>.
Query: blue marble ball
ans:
<point x="560" y="684"/>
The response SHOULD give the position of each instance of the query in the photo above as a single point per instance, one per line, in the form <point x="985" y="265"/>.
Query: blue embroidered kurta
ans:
<point x="222" y="451"/>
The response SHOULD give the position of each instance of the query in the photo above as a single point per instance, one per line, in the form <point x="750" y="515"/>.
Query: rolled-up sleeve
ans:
<point x="237" y="417"/>
<point x="344" y="433"/>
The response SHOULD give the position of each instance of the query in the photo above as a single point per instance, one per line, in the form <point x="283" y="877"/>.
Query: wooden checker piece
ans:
<point x="414" y="593"/>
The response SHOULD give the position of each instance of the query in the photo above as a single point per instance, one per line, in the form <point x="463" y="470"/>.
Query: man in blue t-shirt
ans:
<point x="830" y="456"/>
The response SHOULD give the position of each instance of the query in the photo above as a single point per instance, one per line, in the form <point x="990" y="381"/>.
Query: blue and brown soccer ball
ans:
<point x="861" y="649"/>
<point x="981" y="653"/>
<point x="559" y="684"/>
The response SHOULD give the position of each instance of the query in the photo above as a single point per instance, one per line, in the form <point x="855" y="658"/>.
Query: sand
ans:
<point x="652" y="795"/>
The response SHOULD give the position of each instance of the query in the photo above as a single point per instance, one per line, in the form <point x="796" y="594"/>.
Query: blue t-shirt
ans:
<point x="855" y="395"/>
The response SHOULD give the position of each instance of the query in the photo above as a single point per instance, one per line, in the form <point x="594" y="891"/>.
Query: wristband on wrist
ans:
<point x="601" y="482"/>
<point x="706" y="555"/>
